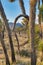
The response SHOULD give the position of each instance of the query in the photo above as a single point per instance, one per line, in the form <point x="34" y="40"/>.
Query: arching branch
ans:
<point x="27" y="17"/>
<point x="21" y="15"/>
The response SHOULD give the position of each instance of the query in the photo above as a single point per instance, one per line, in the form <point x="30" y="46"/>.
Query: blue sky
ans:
<point x="12" y="10"/>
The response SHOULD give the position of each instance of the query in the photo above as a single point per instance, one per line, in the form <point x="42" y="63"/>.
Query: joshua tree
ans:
<point x="21" y="15"/>
<point x="26" y="16"/>
<point x="40" y="7"/>
<point x="23" y="11"/>
<point x="5" y="50"/>
<point x="2" y="13"/>
<point x="41" y="26"/>
<point x="3" y="44"/>
<point x="32" y="30"/>
<point x="3" y="27"/>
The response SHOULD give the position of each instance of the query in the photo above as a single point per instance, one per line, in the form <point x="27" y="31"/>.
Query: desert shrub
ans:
<point x="25" y="53"/>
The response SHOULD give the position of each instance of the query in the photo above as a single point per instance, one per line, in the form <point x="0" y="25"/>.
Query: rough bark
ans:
<point x="22" y="6"/>
<point x="17" y="42"/>
<point x="32" y="31"/>
<point x="4" y="49"/>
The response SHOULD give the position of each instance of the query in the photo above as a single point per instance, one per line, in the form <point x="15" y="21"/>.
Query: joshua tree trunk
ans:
<point x="40" y="26"/>
<point x="8" y="29"/>
<point x="17" y="42"/>
<point x="32" y="31"/>
<point x="5" y="50"/>
<point x="22" y="6"/>
<point x="3" y="30"/>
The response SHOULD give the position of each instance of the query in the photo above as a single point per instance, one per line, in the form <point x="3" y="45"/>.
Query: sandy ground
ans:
<point x="22" y="38"/>
<point x="24" y="58"/>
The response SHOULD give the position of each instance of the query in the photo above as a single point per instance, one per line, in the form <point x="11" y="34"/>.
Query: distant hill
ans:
<point x="17" y="25"/>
